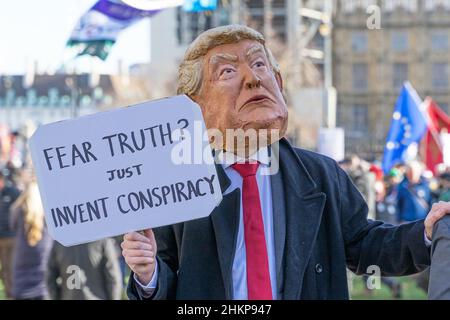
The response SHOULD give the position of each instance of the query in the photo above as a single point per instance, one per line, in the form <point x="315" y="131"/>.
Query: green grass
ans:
<point x="410" y="290"/>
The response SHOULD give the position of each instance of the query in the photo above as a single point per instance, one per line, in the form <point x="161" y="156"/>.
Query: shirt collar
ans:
<point x="227" y="159"/>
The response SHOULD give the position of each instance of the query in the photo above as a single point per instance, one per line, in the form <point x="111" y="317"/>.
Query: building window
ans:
<point x="439" y="41"/>
<point x="432" y="5"/>
<point x="439" y="74"/>
<point x="399" y="74"/>
<point x="340" y="116"/>
<point x="179" y="26"/>
<point x="359" y="42"/>
<point x="359" y="118"/>
<point x="399" y="41"/>
<point x="224" y="17"/>
<point x="360" y="76"/>
<point x="278" y="4"/>
<point x="443" y="106"/>
<point x="208" y="21"/>
<point x="192" y="25"/>
<point x="408" y="5"/>
<point x="351" y="5"/>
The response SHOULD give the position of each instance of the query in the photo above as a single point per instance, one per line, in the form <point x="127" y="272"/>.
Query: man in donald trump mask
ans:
<point x="286" y="235"/>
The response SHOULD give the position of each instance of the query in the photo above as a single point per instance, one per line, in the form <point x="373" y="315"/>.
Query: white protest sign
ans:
<point x="119" y="171"/>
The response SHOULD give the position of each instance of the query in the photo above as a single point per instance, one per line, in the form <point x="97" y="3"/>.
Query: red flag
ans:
<point x="438" y="122"/>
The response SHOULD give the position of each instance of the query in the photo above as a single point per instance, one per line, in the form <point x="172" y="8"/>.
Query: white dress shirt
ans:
<point x="239" y="270"/>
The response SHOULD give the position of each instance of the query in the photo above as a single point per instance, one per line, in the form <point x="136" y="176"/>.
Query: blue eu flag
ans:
<point x="408" y="125"/>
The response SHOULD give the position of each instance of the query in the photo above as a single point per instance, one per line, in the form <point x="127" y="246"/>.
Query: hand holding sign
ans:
<point x="139" y="251"/>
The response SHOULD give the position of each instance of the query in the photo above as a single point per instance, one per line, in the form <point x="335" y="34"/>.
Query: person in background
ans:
<point x="364" y="179"/>
<point x="8" y="194"/>
<point x="386" y="212"/>
<point x="32" y="245"/>
<point x="387" y="201"/>
<point x="124" y="270"/>
<point x="87" y="271"/>
<point x="414" y="194"/>
<point x="439" y="284"/>
<point x="414" y="201"/>
<point x="444" y="192"/>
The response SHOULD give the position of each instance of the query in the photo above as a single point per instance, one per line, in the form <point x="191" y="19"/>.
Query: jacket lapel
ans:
<point x="225" y="221"/>
<point x="304" y="206"/>
<point x="279" y="226"/>
<point x="296" y="221"/>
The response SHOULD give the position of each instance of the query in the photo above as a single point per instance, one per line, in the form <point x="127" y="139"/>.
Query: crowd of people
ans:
<point x="406" y="193"/>
<point x="33" y="266"/>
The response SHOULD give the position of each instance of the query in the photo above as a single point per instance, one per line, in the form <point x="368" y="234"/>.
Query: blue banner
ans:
<point x="199" y="5"/>
<point x="97" y="30"/>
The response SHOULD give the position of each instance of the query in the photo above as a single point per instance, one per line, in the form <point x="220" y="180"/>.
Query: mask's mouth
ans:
<point x="257" y="99"/>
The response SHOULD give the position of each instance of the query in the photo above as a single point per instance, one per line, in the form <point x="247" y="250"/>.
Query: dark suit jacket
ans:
<point x="439" y="286"/>
<point x="320" y="226"/>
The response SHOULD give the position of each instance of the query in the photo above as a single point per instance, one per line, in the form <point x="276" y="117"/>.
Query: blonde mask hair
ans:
<point x="190" y="72"/>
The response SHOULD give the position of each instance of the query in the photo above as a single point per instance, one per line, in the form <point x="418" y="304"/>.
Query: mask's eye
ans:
<point x="226" y="72"/>
<point x="259" y="64"/>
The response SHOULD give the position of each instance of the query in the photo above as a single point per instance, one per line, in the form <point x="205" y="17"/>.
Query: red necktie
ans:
<point x="258" y="277"/>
